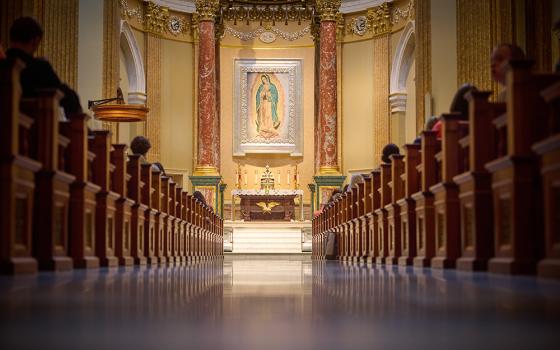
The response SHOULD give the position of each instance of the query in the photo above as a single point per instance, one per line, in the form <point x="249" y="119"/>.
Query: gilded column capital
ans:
<point x="379" y="19"/>
<point x="328" y="9"/>
<point x="207" y="9"/>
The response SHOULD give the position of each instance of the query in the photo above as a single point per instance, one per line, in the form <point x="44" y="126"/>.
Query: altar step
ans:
<point x="266" y="239"/>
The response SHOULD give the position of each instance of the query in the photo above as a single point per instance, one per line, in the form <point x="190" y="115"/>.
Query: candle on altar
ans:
<point x="288" y="181"/>
<point x="236" y="178"/>
<point x="278" y="176"/>
<point x="245" y="178"/>
<point x="297" y="178"/>
<point x="256" y="177"/>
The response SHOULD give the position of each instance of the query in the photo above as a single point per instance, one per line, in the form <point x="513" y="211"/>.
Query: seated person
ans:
<point x="428" y="126"/>
<point x="25" y="36"/>
<point x="388" y="151"/>
<point x="458" y="105"/>
<point x="160" y="168"/>
<point x="499" y="60"/>
<point x="141" y="145"/>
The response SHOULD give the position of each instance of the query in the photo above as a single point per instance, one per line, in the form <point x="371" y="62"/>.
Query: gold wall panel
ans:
<point x="381" y="114"/>
<point x="153" y="92"/>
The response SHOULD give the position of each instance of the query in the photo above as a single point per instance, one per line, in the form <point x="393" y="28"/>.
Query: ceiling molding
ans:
<point x="348" y="6"/>
<point x="187" y="6"/>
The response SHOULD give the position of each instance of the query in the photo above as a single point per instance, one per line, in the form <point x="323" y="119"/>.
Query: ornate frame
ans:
<point x="293" y="143"/>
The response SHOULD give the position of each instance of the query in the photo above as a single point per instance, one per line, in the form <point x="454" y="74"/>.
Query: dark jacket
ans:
<point x="39" y="74"/>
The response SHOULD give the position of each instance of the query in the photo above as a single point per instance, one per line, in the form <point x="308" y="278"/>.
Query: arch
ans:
<point x="134" y="65"/>
<point x="402" y="61"/>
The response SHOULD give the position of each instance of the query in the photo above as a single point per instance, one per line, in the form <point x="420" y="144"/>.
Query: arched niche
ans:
<point x="134" y="65"/>
<point x="402" y="62"/>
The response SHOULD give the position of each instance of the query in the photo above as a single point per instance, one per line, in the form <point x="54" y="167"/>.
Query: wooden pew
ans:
<point x="82" y="193"/>
<point x="548" y="150"/>
<point x="123" y="216"/>
<point x="52" y="183"/>
<point x="476" y="209"/>
<point x="159" y="216"/>
<point x="171" y="222"/>
<point x="424" y="201"/>
<point x="135" y="187"/>
<point x="190" y="229"/>
<point x="446" y="194"/>
<point x="381" y="212"/>
<point x="375" y="198"/>
<point x="17" y="170"/>
<point x="355" y="229"/>
<point x="150" y="226"/>
<point x="515" y="176"/>
<point x="365" y="208"/>
<point x="346" y="200"/>
<point x="393" y="211"/>
<point x="180" y="210"/>
<point x="167" y="220"/>
<point x="105" y="214"/>
<point x="407" y="205"/>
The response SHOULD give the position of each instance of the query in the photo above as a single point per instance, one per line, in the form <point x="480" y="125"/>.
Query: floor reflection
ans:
<point x="277" y="303"/>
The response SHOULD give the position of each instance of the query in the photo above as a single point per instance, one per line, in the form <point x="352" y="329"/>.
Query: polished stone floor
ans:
<point x="278" y="303"/>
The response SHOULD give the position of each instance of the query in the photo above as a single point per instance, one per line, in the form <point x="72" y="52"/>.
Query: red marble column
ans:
<point x="208" y="135"/>
<point x="327" y="99"/>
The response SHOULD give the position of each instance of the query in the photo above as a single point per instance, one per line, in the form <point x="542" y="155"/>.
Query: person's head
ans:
<point x="499" y="59"/>
<point x="26" y="34"/>
<point x="355" y="180"/>
<point x="265" y="79"/>
<point x="460" y="103"/>
<point x="140" y="145"/>
<point x="430" y="122"/>
<point x="160" y="168"/>
<point x="199" y="196"/>
<point x="388" y="151"/>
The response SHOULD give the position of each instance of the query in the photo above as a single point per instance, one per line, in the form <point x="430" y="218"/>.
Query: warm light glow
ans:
<point x="120" y="112"/>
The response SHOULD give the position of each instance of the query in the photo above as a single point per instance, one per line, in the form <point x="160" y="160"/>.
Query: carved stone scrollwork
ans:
<point x="328" y="9"/>
<point x="380" y="19"/>
<point x="207" y="9"/>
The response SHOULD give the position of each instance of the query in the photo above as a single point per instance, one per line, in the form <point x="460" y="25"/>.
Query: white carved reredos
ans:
<point x="400" y="68"/>
<point x="134" y="65"/>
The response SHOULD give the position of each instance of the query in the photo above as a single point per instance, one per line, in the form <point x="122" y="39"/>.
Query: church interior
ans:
<point x="272" y="174"/>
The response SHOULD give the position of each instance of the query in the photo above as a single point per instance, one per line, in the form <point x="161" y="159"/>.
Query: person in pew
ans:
<point x="159" y="166"/>
<point x="25" y="36"/>
<point x="501" y="55"/>
<point x="428" y="125"/>
<point x="458" y="105"/>
<point x="388" y="151"/>
<point x="200" y="197"/>
<point x="140" y="146"/>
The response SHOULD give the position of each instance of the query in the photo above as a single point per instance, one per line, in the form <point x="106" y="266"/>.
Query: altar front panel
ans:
<point x="267" y="207"/>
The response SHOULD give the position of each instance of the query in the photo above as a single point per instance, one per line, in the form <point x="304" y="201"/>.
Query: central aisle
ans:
<point x="271" y="302"/>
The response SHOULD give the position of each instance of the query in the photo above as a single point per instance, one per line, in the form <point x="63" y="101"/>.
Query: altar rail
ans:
<point x="484" y="197"/>
<point x="70" y="198"/>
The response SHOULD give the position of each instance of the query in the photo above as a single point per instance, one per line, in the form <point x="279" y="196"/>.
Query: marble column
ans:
<point x="327" y="139"/>
<point x="208" y="134"/>
<point x="328" y="175"/>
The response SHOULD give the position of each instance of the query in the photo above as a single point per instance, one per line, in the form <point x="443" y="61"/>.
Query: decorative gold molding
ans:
<point x="207" y="9"/>
<point x="423" y="59"/>
<point x="111" y="62"/>
<point x="156" y="19"/>
<point x="328" y="9"/>
<point x="379" y="18"/>
<point x="202" y="170"/>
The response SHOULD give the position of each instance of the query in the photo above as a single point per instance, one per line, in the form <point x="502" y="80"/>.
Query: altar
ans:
<point x="268" y="205"/>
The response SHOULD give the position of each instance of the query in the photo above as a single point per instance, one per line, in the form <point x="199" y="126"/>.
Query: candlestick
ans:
<point x="245" y="182"/>
<point x="278" y="176"/>
<point x="256" y="175"/>
<point x="288" y="177"/>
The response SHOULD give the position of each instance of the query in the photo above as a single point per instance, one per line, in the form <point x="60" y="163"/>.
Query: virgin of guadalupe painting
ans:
<point x="268" y="113"/>
<point x="267" y="121"/>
